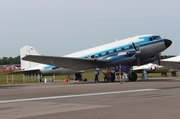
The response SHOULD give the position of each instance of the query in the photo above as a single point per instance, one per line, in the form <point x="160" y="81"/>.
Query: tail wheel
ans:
<point x="132" y="76"/>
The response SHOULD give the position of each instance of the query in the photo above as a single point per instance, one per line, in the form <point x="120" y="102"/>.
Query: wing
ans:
<point x="171" y="64"/>
<point x="68" y="62"/>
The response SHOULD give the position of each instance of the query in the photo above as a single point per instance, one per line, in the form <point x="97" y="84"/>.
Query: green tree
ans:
<point x="10" y="60"/>
<point x="16" y="60"/>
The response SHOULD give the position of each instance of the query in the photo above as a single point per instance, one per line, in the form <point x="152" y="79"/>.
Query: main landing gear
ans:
<point x="132" y="76"/>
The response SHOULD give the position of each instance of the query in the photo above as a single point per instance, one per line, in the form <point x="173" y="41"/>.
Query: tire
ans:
<point x="132" y="76"/>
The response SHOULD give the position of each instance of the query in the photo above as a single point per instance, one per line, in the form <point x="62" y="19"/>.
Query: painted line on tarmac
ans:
<point x="73" y="96"/>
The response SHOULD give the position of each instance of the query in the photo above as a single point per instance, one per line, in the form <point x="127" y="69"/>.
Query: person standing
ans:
<point x="96" y="75"/>
<point x="108" y="76"/>
<point x="121" y="74"/>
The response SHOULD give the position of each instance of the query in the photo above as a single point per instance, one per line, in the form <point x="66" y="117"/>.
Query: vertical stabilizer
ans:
<point x="28" y="50"/>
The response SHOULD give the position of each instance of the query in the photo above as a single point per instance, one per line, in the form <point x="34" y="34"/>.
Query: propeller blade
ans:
<point x="134" y="46"/>
<point x="138" y="53"/>
<point x="138" y="47"/>
<point x="138" y="62"/>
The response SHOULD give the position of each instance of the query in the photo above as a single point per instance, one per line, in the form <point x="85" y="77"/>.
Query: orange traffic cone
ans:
<point x="65" y="80"/>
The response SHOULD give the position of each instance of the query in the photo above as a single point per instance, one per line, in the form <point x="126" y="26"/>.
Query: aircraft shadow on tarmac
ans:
<point x="139" y="80"/>
<point x="159" y="80"/>
<point x="12" y="86"/>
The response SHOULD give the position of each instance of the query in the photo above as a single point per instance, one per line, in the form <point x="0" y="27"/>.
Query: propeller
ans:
<point x="138" y="53"/>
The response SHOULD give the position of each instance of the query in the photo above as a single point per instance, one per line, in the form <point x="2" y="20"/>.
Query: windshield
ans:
<point x="156" y="37"/>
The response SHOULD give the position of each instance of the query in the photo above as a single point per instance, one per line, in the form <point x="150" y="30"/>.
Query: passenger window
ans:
<point x="118" y="49"/>
<point x="103" y="53"/>
<point x="122" y="48"/>
<point x="111" y="51"/>
<point x="150" y="39"/>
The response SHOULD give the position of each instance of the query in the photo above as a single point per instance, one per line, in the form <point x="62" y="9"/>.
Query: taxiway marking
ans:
<point x="72" y="96"/>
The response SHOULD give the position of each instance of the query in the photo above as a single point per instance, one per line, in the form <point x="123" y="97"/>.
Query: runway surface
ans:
<point x="144" y="99"/>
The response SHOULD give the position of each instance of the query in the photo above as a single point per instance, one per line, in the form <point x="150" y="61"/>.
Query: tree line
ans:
<point x="10" y="60"/>
<point x="167" y="56"/>
<point x="16" y="60"/>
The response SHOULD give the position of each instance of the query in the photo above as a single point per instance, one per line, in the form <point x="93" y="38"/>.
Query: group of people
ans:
<point x="107" y="76"/>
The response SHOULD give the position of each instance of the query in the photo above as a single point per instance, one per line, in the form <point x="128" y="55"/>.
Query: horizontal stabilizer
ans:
<point x="34" y="71"/>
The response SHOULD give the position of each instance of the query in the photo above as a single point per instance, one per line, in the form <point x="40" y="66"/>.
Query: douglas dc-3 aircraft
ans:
<point x="130" y="51"/>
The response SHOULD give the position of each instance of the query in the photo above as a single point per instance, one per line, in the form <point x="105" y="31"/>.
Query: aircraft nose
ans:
<point x="167" y="42"/>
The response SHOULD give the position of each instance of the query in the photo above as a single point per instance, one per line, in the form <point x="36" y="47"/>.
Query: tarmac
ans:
<point x="155" y="98"/>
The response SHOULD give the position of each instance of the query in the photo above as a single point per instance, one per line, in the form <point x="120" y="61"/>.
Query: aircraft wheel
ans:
<point x="132" y="76"/>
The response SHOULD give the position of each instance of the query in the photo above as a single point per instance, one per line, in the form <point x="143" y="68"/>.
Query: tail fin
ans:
<point x="28" y="50"/>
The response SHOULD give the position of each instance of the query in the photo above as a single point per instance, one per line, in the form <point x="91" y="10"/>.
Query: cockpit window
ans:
<point x="156" y="37"/>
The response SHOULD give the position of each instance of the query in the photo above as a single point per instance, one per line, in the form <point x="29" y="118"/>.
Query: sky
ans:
<point x="60" y="27"/>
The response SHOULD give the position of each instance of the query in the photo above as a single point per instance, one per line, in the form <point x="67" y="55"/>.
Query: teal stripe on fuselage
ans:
<point x="48" y="67"/>
<point x="51" y="67"/>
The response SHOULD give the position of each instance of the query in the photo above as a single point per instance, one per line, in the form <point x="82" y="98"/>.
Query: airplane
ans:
<point x="134" y="50"/>
<point x="173" y="63"/>
<point x="151" y="68"/>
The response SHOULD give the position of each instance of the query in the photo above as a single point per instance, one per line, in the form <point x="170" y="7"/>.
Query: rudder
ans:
<point x="28" y="50"/>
